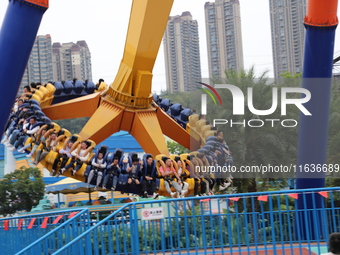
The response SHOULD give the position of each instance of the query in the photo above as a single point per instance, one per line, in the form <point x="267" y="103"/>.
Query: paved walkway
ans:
<point x="312" y="249"/>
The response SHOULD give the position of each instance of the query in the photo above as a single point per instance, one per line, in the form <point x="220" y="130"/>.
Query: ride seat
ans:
<point x="59" y="88"/>
<point x="68" y="87"/>
<point x="90" y="87"/>
<point x="78" y="87"/>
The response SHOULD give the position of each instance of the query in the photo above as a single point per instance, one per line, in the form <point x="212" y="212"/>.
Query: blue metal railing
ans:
<point x="114" y="229"/>
<point x="60" y="236"/>
<point x="16" y="236"/>
<point x="217" y="224"/>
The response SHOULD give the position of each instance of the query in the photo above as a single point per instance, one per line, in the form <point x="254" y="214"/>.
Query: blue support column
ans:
<point x="18" y="32"/>
<point x="313" y="130"/>
<point x="320" y="22"/>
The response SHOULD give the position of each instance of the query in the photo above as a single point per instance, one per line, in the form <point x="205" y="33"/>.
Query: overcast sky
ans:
<point x="103" y="25"/>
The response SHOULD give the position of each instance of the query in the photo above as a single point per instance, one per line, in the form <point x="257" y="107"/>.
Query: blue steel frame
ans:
<point x="211" y="225"/>
<point x="317" y="78"/>
<point x="61" y="235"/>
<point x="313" y="129"/>
<point x="13" y="240"/>
<point x="17" y="35"/>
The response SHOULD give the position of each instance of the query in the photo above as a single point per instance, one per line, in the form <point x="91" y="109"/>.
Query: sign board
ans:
<point x="152" y="213"/>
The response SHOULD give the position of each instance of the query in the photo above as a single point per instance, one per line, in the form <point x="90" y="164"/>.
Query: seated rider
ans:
<point x="221" y="178"/>
<point x="16" y="130"/>
<point x="27" y="92"/>
<point x="29" y="129"/>
<point x="51" y="144"/>
<point x="149" y="178"/>
<point x="134" y="172"/>
<point x="62" y="158"/>
<point x="98" y="166"/>
<point x="208" y="177"/>
<point x="12" y="121"/>
<point x="182" y="175"/>
<point x="168" y="174"/>
<point x="40" y="138"/>
<point x="113" y="171"/>
<point x="80" y="156"/>
<point x="199" y="183"/>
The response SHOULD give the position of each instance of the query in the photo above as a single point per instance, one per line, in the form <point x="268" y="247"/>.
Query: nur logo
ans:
<point x="204" y="97"/>
<point x="239" y="99"/>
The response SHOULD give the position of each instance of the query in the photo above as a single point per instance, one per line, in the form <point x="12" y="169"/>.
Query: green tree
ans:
<point x="190" y="100"/>
<point x="253" y="146"/>
<point x="288" y="75"/>
<point x="21" y="190"/>
<point x="250" y="146"/>
<point x="266" y="145"/>
<point x="73" y="125"/>
<point x="176" y="148"/>
<point x="333" y="153"/>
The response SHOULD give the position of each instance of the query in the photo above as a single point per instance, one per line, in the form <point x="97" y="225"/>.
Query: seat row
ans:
<point x="70" y="155"/>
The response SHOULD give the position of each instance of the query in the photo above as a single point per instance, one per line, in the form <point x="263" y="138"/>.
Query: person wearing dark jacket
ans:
<point x="112" y="171"/>
<point x="149" y="178"/>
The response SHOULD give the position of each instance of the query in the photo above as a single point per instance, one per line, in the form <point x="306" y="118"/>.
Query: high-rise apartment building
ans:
<point x="288" y="33"/>
<point x="71" y="60"/>
<point x="224" y="36"/>
<point x="39" y="66"/>
<point x="182" y="53"/>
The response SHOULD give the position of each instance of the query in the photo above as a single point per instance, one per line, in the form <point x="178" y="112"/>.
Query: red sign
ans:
<point x="263" y="198"/>
<point x="44" y="224"/>
<point x="294" y="195"/>
<point x="324" y="194"/>
<point x="57" y="219"/>
<point x="20" y="224"/>
<point x="6" y="224"/>
<point x="234" y="198"/>
<point x="31" y="223"/>
<point x="72" y="215"/>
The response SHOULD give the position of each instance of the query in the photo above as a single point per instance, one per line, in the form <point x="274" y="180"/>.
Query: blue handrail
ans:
<point x="84" y="234"/>
<point x="194" y="224"/>
<point x="42" y="214"/>
<point x="15" y="239"/>
<point x="38" y="246"/>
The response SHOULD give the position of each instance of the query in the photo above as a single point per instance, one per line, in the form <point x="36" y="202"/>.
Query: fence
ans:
<point x="16" y="233"/>
<point x="61" y="235"/>
<point x="253" y="223"/>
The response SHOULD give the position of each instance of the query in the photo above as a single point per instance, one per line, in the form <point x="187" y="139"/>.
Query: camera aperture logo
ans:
<point x="239" y="105"/>
<point x="204" y="97"/>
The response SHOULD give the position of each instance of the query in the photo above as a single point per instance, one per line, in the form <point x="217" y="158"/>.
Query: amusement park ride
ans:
<point x="127" y="104"/>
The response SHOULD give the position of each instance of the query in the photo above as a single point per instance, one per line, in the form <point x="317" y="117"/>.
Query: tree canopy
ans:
<point x="176" y="148"/>
<point x="252" y="146"/>
<point x="21" y="190"/>
<point x="73" y="125"/>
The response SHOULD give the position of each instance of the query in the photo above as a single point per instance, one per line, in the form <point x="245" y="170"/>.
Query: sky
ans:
<point x="103" y="25"/>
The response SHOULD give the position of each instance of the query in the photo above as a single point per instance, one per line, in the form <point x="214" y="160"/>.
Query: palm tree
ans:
<point x="333" y="157"/>
<point x="255" y="146"/>
<point x="251" y="146"/>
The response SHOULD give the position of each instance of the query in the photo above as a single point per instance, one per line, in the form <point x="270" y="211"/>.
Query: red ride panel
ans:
<point x="42" y="3"/>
